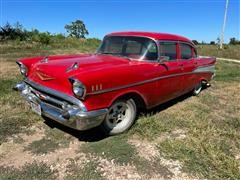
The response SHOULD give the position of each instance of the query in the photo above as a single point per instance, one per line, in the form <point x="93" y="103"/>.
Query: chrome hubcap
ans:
<point x="118" y="113"/>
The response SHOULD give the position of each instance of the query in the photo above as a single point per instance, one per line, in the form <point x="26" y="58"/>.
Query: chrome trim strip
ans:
<point x="177" y="41"/>
<point x="56" y="93"/>
<point x="205" y="69"/>
<point x="154" y="79"/>
<point x="46" y="97"/>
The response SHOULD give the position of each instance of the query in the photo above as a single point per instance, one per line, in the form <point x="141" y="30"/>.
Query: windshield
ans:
<point x="139" y="48"/>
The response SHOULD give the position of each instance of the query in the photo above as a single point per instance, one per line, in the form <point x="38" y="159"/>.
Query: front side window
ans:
<point x="168" y="51"/>
<point x="186" y="51"/>
<point x="139" y="48"/>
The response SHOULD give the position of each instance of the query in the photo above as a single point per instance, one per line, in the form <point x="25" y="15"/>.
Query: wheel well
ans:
<point x="140" y="103"/>
<point x="203" y="81"/>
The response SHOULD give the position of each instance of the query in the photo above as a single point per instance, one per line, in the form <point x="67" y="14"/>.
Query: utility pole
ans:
<point x="224" y="24"/>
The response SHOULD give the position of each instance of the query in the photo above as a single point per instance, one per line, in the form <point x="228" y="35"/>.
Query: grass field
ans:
<point x="187" y="138"/>
<point x="229" y="51"/>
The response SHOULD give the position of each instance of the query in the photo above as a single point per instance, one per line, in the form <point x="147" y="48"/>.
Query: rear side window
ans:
<point x="168" y="51"/>
<point x="186" y="51"/>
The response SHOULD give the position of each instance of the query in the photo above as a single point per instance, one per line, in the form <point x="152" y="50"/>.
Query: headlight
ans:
<point x="78" y="88"/>
<point x="23" y="69"/>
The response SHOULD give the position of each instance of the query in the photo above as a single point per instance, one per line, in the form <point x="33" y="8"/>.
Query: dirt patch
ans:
<point x="175" y="134"/>
<point x="145" y="149"/>
<point x="112" y="171"/>
<point x="13" y="154"/>
<point x="179" y="134"/>
<point x="149" y="151"/>
<point x="237" y="157"/>
<point x="175" y="167"/>
<point x="60" y="159"/>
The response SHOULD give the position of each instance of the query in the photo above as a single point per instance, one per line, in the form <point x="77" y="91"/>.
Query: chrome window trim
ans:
<point x="56" y="93"/>
<point x="172" y="41"/>
<point x="205" y="69"/>
<point x="156" y="42"/>
<point x="192" y="46"/>
<point x="178" y="43"/>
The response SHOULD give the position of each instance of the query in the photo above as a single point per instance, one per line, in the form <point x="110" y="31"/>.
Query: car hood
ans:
<point x="55" y="71"/>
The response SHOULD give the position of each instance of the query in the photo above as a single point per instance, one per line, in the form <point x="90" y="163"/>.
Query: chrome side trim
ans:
<point x="201" y="69"/>
<point x="205" y="69"/>
<point x="56" y="93"/>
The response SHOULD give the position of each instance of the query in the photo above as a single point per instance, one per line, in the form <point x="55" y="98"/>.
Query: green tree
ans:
<point x="212" y="42"/>
<point x="7" y="31"/>
<point x="44" y="38"/>
<point x="195" y="42"/>
<point x="234" y="41"/>
<point x="76" y="29"/>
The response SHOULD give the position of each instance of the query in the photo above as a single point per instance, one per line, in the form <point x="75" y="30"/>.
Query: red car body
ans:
<point x="107" y="78"/>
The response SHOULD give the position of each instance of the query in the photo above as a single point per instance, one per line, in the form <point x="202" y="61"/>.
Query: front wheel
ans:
<point x="120" y="117"/>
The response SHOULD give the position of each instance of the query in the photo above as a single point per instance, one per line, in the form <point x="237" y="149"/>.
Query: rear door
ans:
<point x="187" y="64"/>
<point x="170" y="86"/>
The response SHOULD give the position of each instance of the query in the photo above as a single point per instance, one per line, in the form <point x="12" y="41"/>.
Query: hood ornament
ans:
<point x="73" y="67"/>
<point x="44" y="60"/>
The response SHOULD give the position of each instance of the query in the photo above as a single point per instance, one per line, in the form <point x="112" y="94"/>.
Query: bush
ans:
<point x="44" y="38"/>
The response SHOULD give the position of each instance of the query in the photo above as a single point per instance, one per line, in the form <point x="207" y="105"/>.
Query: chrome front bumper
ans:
<point x="60" y="107"/>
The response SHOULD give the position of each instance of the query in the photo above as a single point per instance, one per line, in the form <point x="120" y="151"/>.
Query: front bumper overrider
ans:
<point x="60" y="107"/>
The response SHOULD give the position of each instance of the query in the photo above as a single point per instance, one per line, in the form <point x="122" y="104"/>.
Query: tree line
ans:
<point x="76" y="29"/>
<point x="232" y="41"/>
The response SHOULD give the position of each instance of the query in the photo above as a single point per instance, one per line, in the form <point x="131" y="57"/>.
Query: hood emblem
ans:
<point x="73" y="67"/>
<point x="44" y="77"/>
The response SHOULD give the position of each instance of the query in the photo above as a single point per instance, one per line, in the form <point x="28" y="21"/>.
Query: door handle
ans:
<point x="195" y="63"/>
<point x="181" y="65"/>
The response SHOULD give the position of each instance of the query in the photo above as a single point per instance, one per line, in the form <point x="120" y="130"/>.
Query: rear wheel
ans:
<point x="120" y="117"/>
<point x="198" y="88"/>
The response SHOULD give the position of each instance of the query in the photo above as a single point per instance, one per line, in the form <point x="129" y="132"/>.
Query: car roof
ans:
<point x="152" y="35"/>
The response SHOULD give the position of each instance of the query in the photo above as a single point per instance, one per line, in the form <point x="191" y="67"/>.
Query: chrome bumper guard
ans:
<point x="60" y="107"/>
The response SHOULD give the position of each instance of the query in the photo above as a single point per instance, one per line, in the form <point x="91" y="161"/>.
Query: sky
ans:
<point x="196" y="19"/>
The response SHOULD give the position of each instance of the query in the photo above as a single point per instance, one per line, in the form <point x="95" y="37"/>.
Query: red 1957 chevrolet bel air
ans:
<point x="129" y="71"/>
